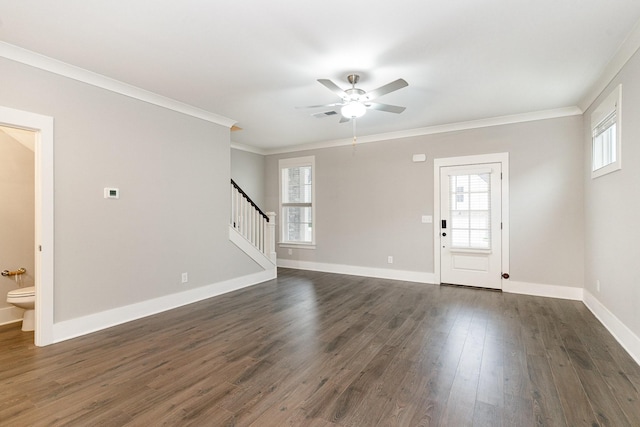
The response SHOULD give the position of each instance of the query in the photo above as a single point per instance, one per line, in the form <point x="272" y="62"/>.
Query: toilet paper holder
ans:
<point x="21" y="270"/>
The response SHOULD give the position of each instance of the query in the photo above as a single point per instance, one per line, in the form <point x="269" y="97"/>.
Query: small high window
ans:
<point x="605" y="133"/>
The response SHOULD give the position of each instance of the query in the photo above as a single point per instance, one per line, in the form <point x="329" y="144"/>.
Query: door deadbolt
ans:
<point x="444" y="234"/>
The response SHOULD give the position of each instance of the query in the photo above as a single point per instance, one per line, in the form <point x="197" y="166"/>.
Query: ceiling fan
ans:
<point x="355" y="101"/>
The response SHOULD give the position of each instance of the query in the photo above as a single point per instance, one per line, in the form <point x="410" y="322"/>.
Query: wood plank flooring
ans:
<point x="318" y="349"/>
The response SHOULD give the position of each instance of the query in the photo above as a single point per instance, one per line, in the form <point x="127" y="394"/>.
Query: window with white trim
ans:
<point x="605" y="134"/>
<point x="297" y="201"/>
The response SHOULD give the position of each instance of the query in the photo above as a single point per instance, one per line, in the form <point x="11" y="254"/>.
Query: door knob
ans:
<point x="505" y="275"/>
<point x="444" y="234"/>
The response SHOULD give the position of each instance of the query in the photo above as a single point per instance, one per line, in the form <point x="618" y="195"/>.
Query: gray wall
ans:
<point x="369" y="199"/>
<point x="247" y="170"/>
<point x="173" y="174"/>
<point x="612" y="231"/>
<point x="17" y="214"/>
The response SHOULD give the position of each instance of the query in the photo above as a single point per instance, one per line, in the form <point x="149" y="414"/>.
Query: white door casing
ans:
<point x="471" y="195"/>
<point x="43" y="126"/>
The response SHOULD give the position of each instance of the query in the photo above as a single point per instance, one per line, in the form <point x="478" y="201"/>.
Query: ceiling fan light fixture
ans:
<point x="353" y="110"/>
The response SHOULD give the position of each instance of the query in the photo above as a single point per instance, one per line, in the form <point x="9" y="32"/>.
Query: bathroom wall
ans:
<point x="17" y="212"/>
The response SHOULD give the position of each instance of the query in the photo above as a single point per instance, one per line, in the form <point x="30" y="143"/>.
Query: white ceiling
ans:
<point x="254" y="61"/>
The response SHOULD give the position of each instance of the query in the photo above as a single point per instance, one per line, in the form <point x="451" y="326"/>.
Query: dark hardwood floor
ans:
<point x="317" y="349"/>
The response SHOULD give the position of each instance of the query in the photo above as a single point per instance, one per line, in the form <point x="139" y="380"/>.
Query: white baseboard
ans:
<point x="381" y="273"/>
<point x="552" y="291"/>
<point x="625" y="336"/>
<point x="10" y="315"/>
<point x="535" y="289"/>
<point x="94" y="322"/>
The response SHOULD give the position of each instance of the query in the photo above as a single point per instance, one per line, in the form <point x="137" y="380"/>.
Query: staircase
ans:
<point x="251" y="229"/>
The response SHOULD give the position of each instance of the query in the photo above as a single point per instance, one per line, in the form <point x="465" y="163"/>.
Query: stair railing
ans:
<point x="250" y="221"/>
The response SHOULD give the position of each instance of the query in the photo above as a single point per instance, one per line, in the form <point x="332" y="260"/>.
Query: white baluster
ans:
<point x="251" y="223"/>
<point x="261" y="242"/>
<point x="254" y="222"/>
<point x="245" y="225"/>
<point x="238" y="211"/>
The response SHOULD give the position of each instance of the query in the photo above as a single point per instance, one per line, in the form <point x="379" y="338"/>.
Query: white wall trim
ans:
<point x="44" y="227"/>
<point x="247" y="247"/>
<point x="248" y="148"/>
<point x="431" y="130"/>
<point x="534" y="289"/>
<point x="628" y="48"/>
<point x="354" y="270"/>
<point x="94" y="322"/>
<point x="46" y="63"/>
<point x="540" y="290"/>
<point x="625" y="336"/>
<point x="10" y="315"/>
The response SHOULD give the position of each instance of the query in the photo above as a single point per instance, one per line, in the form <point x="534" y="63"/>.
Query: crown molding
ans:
<point x="33" y="59"/>
<point x="431" y="130"/>
<point x="248" y="148"/>
<point x="626" y="50"/>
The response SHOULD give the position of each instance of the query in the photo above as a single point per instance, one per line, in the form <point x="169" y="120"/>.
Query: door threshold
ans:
<point x="479" y="288"/>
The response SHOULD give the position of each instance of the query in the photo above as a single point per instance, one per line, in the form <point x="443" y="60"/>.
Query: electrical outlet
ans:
<point x="185" y="277"/>
<point x="389" y="259"/>
<point x="598" y="285"/>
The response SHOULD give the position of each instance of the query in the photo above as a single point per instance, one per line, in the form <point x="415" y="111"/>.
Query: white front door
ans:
<point x="470" y="226"/>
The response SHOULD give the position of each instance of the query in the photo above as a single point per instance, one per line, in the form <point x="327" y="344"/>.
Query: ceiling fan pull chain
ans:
<point x="354" y="132"/>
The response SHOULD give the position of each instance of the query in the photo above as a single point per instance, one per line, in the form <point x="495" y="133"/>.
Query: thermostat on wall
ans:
<point x="111" y="193"/>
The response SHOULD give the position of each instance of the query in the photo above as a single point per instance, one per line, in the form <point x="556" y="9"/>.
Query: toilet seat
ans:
<point x="29" y="291"/>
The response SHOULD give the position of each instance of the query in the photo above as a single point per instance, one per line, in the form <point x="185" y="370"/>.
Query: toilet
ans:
<point x="25" y="298"/>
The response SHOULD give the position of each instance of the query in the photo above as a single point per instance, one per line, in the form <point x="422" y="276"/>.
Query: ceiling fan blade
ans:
<point x="335" y="104"/>
<point x="333" y="88"/>
<point x="344" y="119"/>
<point x="385" y="107"/>
<point x="388" y="88"/>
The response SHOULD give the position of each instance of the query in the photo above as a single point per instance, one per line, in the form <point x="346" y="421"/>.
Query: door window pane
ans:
<point x="470" y="211"/>
<point x="459" y="238"/>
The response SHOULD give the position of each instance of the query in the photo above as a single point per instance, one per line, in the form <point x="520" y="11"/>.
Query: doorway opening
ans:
<point x="43" y="277"/>
<point x="17" y="221"/>
<point x="471" y="213"/>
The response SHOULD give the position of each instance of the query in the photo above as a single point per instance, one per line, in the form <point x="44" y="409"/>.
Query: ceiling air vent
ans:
<point x="324" y="114"/>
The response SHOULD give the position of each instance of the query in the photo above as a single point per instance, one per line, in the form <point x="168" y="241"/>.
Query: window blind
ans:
<point x="470" y="210"/>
